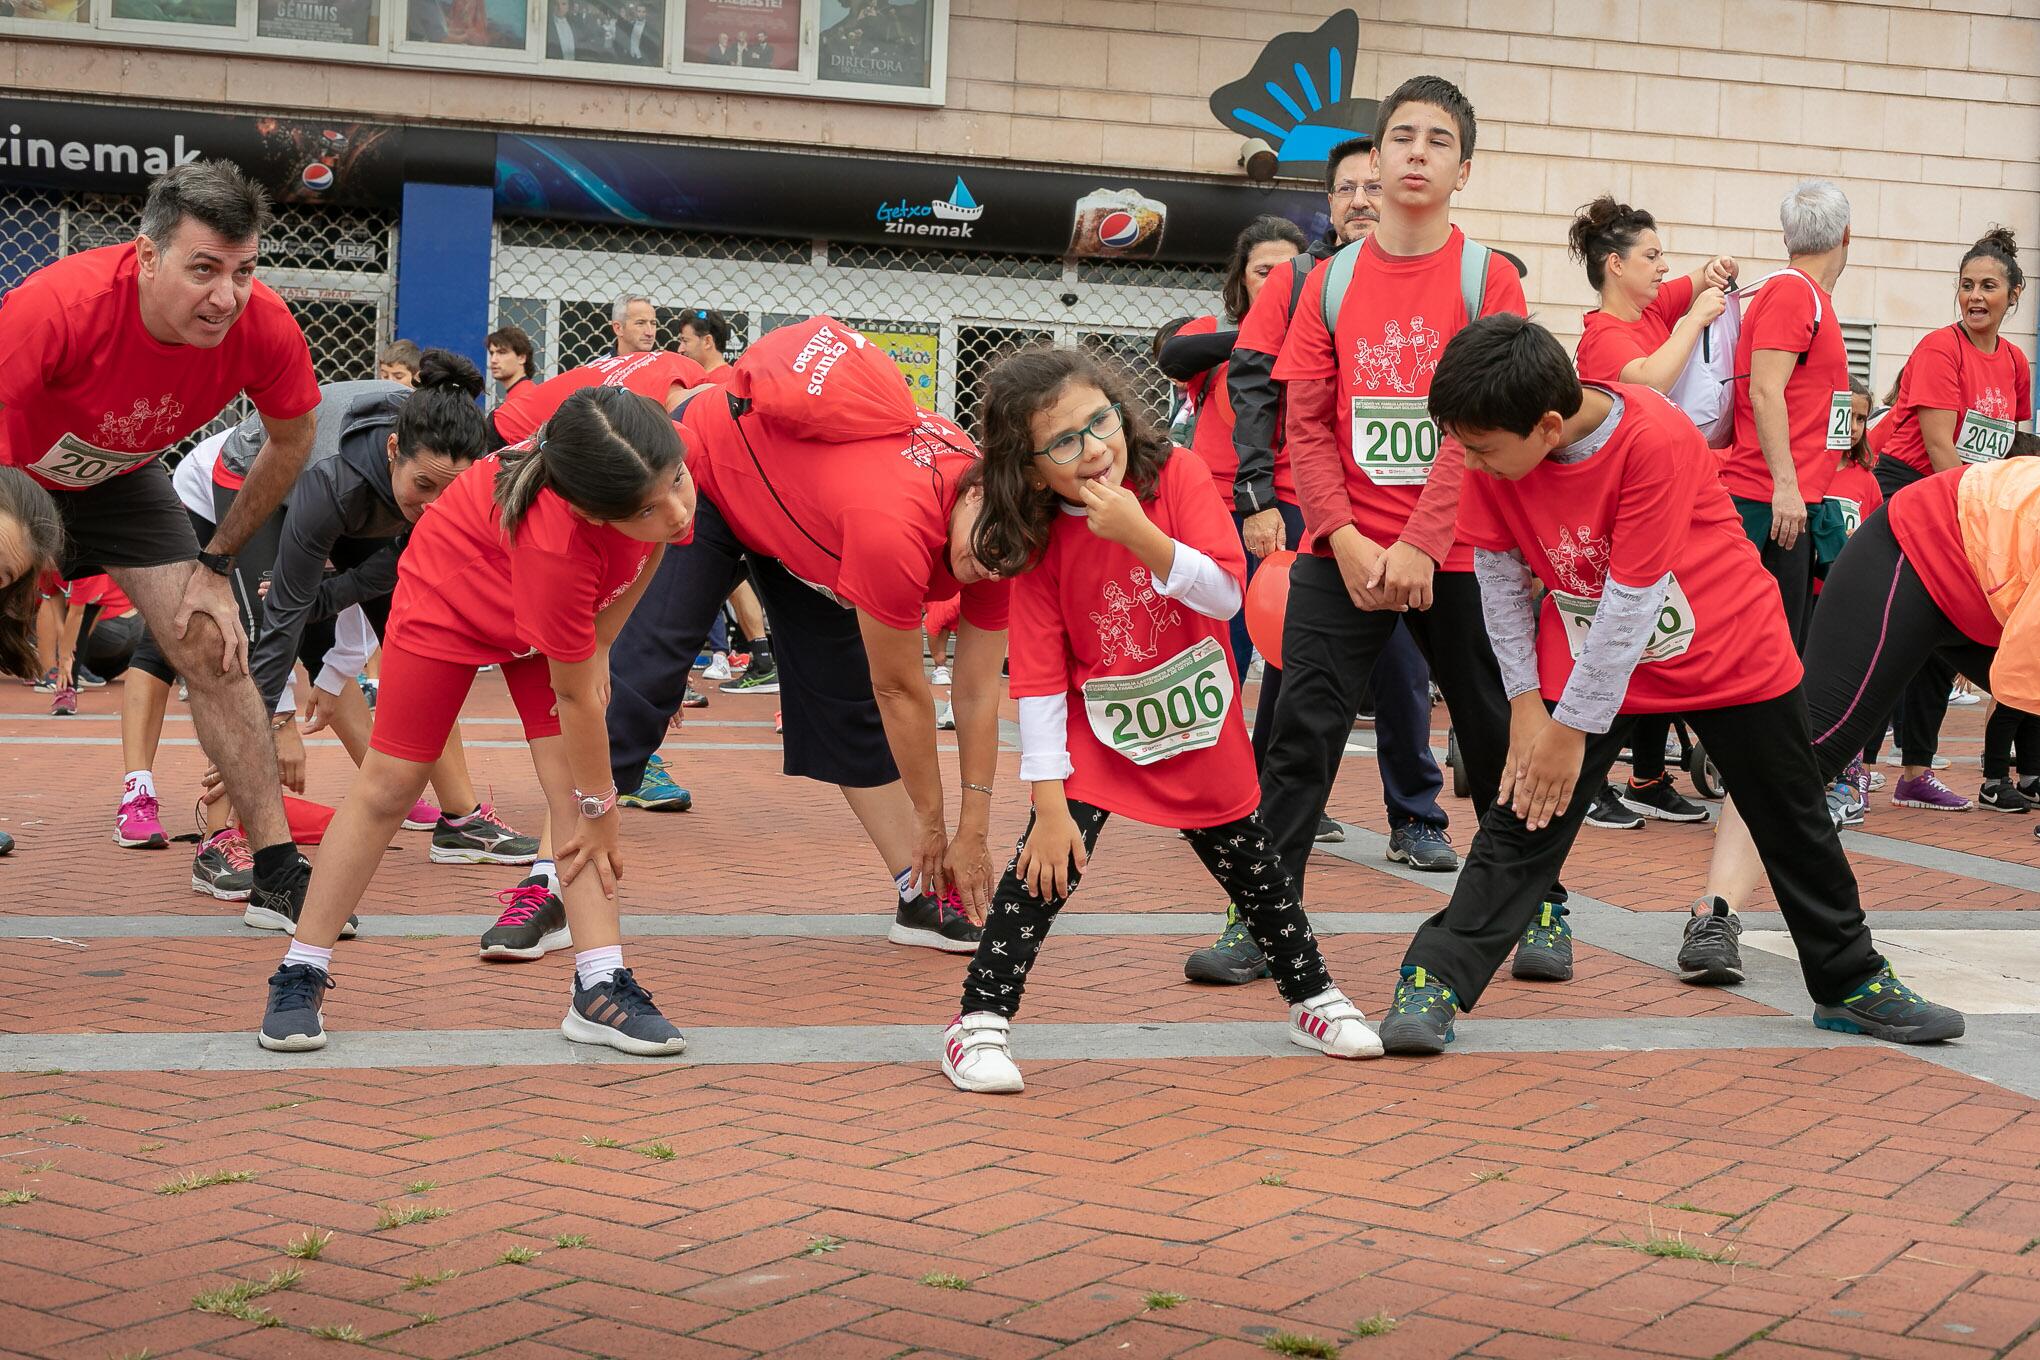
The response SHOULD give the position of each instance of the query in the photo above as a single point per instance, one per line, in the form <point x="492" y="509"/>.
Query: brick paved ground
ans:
<point x="1558" y="1189"/>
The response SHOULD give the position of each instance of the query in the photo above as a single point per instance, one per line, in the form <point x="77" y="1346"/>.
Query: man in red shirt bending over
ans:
<point x="108" y="359"/>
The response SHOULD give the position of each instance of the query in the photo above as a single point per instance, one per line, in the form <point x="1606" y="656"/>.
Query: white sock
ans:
<point x="300" y="952"/>
<point x="550" y="872"/>
<point x="900" y="881"/>
<point x="595" y="966"/>
<point x="141" y="781"/>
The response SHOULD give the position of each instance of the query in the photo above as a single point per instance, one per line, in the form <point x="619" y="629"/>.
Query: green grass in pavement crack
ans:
<point x="1381" y="1324"/>
<point x="237" y="1300"/>
<point x="1675" y="1247"/>
<point x="307" y="1246"/>
<point x="1162" y="1301"/>
<point x="404" y="1215"/>
<point x="200" y="1180"/>
<point x="1290" y="1343"/>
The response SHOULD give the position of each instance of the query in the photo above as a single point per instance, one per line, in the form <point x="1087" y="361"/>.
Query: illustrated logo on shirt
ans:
<point x="1134" y="618"/>
<point x="1993" y="402"/>
<point x="1401" y="361"/>
<point x="144" y="427"/>
<point x="1581" y="563"/>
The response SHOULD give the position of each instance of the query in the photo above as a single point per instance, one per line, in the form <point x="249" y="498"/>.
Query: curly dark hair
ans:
<point x="1014" y="525"/>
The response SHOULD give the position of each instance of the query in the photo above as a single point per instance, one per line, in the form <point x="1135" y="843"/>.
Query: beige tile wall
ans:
<point x="1703" y="111"/>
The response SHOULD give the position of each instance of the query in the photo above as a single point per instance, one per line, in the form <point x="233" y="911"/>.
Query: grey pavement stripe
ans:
<point x="746" y="1045"/>
<point x="1960" y="863"/>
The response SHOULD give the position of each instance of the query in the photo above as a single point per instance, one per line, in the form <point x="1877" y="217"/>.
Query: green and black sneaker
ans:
<point x="1232" y="959"/>
<point x="1885" y="1008"/>
<point x="1544" y="954"/>
<point x="1420" y="1020"/>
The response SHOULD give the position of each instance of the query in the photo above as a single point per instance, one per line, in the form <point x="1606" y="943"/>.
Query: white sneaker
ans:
<point x="1331" y="1024"/>
<point x="1963" y="698"/>
<point x="945" y="718"/>
<point x="975" y="1057"/>
<point x="940" y="677"/>
<point x="718" y="667"/>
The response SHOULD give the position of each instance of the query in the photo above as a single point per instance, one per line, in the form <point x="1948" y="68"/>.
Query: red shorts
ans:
<point x="419" y="698"/>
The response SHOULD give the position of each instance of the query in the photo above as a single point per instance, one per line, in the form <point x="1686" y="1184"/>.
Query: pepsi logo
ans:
<point x="318" y="177"/>
<point x="1119" y="228"/>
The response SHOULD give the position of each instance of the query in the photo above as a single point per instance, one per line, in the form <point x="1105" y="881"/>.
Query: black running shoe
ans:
<point x="1660" y="800"/>
<point x="1885" y="1008"/>
<point x="277" y="905"/>
<point x="2002" y="795"/>
<point x="6" y="844"/>
<point x="935" y="923"/>
<point x="693" y="698"/>
<point x="1712" y="953"/>
<point x="756" y="681"/>
<point x="293" y="1023"/>
<point x="1608" y="810"/>
<point x="481" y="838"/>
<point x="620" y="1014"/>
<point x="1230" y="960"/>
<point x="1420" y="1018"/>
<point x="534" y="922"/>
<point x="1329" y="832"/>
<point x="1544" y="954"/>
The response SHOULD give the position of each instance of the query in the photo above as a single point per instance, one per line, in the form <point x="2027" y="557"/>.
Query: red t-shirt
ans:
<point x="653" y="375"/>
<point x="1608" y="344"/>
<point x="1923" y="520"/>
<point x="1855" y="489"/>
<point x="1213" y="439"/>
<point x="86" y="393"/>
<point x="515" y="411"/>
<point x="1263" y="330"/>
<point x="99" y="590"/>
<point x="1149" y="679"/>
<point x="465" y="594"/>
<point x="1646" y="503"/>
<point x="723" y="374"/>
<point x="1399" y="313"/>
<point x="1947" y="373"/>
<point x="877" y="509"/>
<point x="1781" y="317"/>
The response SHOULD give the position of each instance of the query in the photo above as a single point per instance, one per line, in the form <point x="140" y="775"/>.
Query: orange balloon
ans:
<point x="1267" y="603"/>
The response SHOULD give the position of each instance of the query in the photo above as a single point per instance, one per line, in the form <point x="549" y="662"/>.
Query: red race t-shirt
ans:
<point x="1990" y="394"/>
<point x="867" y="521"/>
<point x="1855" y="490"/>
<point x="86" y="393"/>
<point x="1924" y="520"/>
<point x="99" y="590"/>
<point x="1263" y="330"/>
<point x="1398" y="315"/>
<point x="1646" y="503"/>
<point x="653" y="375"/>
<point x="1155" y="731"/>
<point x="465" y="594"/>
<point x="1608" y="344"/>
<point x="1781" y="317"/>
<point x="515" y="411"/>
<point x="722" y="375"/>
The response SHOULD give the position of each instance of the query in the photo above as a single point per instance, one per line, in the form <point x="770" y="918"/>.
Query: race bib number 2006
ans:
<point x="1394" y="441"/>
<point x="1672" y="636"/>
<point x="73" y="463"/>
<point x="1178" y="706"/>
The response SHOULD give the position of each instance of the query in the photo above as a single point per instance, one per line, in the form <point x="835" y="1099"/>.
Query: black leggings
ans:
<point x="2011" y="737"/>
<point x="1238" y="854"/>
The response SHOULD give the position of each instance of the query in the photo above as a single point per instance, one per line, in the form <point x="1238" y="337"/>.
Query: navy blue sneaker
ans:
<point x="293" y="1024"/>
<point x="1422" y="846"/>
<point x="1420" y="1019"/>
<point x="1544" y="954"/>
<point x="620" y="1014"/>
<point x="1885" y="1008"/>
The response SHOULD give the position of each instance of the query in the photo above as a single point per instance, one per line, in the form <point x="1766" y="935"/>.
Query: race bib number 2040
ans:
<point x="73" y="463"/>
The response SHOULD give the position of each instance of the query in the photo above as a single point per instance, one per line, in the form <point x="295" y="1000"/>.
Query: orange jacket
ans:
<point x="1997" y="509"/>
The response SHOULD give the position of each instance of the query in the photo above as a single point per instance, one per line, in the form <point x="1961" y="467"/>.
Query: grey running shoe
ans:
<point x="293" y="1023"/>
<point x="1544" y="954"/>
<point x="1885" y="1008"/>
<point x="1712" y="953"/>
<point x="620" y="1014"/>
<point x="1422" y="846"/>
<point x="1231" y="959"/>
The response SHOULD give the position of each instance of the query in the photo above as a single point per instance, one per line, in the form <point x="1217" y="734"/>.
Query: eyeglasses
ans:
<point x="1347" y="188"/>
<point x="1070" y="447"/>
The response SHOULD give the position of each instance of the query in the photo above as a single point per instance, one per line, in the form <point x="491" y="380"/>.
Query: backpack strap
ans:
<point x="1298" y="280"/>
<point x="1474" y="259"/>
<point x="1338" y="278"/>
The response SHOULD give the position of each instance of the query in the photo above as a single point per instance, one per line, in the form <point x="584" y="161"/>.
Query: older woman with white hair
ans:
<point x="1792" y="411"/>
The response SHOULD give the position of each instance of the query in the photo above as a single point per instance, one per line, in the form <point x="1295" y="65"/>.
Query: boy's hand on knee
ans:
<point x="1544" y="785"/>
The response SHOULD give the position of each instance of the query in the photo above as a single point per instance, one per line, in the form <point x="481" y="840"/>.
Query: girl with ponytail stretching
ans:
<point x="531" y="560"/>
<point x="31" y="541"/>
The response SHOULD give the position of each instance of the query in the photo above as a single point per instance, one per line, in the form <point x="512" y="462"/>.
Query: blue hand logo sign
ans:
<point x="1299" y="95"/>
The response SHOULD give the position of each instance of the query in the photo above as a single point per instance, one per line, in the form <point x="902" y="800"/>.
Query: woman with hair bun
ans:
<point x="531" y="561"/>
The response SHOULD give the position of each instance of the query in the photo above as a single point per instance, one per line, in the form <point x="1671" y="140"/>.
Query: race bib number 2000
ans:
<point x="1178" y="706"/>
<point x="73" y="463"/>
<point x="1394" y="441"/>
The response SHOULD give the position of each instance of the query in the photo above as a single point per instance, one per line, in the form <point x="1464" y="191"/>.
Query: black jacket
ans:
<point x="1257" y="401"/>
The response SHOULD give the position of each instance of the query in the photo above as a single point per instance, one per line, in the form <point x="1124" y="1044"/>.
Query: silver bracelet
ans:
<point x="978" y="788"/>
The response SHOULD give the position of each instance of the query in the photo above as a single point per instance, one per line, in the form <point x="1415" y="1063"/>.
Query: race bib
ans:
<point x="1983" y="439"/>
<point x="73" y="463"/>
<point x="1841" y="431"/>
<point x="1178" y="706"/>
<point x="1394" y="441"/>
<point x="1674" y="633"/>
<point x="1852" y="514"/>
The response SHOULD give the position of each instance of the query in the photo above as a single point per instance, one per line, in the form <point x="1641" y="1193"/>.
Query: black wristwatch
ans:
<point x="219" y="564"/>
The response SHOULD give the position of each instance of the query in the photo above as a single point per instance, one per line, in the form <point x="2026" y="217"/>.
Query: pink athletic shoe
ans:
<point x="139" y="823"/>
<point x="423" y="816"/>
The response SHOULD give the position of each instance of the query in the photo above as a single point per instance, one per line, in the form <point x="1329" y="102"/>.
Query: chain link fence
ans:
<point x="946" y="317"/>
<point x="336" y="268"/>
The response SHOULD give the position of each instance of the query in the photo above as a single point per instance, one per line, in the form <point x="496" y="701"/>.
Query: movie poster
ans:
<point x="916" y="352"/>
<point x="761" y="34"/>
<point x="50" y="11"/>
<point x="876" y="42"/>
<point x="467" y="23"/>
<point x="609" y="32"/>
<point x="329" y="21"/>
<point x="197" y="13"/>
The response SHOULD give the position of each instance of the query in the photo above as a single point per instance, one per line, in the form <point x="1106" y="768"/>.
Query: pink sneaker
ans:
<point x="423" y="816"/>
<point x="139" y="823"/>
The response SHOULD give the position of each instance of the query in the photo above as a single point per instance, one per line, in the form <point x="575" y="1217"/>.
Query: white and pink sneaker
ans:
<point x="423" y="816"/>
<point x="975" y="1056"/>
<point x="139" y="823"/>
<point x="1331" y="1024"/>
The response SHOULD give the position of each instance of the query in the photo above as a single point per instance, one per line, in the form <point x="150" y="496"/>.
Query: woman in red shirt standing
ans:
<point x="1127" y="572"/>
<point x="1961" y="396"/>
<point x="1643" y="332"/>
<point x="566" y="531"/>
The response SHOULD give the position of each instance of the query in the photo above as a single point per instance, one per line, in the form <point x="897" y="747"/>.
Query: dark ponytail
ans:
<point x="34" y="517"/>
<point x="1603" y="228"/>
<point x="441" y="414"/>
<point x="602" y="452"/>
<point x="1998" y="244"/>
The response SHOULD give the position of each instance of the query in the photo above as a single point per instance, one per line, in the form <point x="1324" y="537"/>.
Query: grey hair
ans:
<point x="1815" y="215"/>
<point x="215" y="194"/>
<point x="622" y="307"/>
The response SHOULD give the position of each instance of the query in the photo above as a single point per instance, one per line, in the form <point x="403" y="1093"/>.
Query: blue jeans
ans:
<point x="1410" y="781"/>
